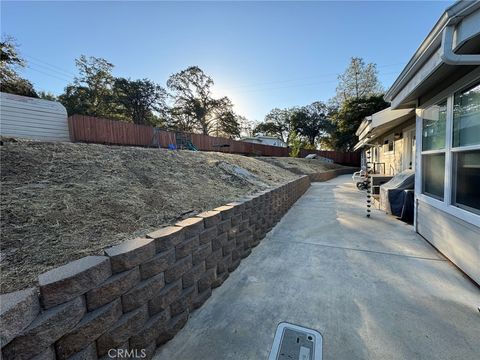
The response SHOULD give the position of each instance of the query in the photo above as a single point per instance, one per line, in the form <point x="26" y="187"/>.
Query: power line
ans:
<point x="297" y="85"/>
<point x="304" y="78"/>
<point x="47" y="64"/>
<point x="53" y="71"/>
<point x="53" y="76"/>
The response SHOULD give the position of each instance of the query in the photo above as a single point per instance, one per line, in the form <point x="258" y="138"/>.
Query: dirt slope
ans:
<point x="64" y="201"/>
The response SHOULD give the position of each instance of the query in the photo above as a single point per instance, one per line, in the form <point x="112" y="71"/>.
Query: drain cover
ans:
<point x="293" y="342"/>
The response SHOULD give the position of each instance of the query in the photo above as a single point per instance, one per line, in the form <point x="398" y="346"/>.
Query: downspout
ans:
<point x="448" y="56"/>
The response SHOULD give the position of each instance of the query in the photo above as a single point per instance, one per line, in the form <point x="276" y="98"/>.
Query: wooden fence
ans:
<point x="103" y="131"/>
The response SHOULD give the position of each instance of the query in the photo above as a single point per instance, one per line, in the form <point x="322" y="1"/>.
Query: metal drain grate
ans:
<point x="293" y="342"/>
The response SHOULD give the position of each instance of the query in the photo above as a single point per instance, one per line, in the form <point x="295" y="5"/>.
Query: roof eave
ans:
<point x="452" y="14"/>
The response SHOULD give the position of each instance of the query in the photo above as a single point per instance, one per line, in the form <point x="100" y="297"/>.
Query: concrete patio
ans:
<point x="372" y="287"/>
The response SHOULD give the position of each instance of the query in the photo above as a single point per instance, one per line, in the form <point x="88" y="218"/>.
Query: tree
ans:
<point x="10" y="63"/>
<point x="346" y="120"/>
<point x="277" y="123"/>
<point x="227" y="125"/>
<point x="296" y="144"/>
<point x="246" y="126"/>
<point x="225" y="121"/>
<point x="194" y="102"/>
<point x="91" y="92"/>
<point x="178" y="120"/>
<point x="140" y="100"/>
<point x="310" y="121"/>
<point x="359" y="80"/>
<point x="46" y="95"/>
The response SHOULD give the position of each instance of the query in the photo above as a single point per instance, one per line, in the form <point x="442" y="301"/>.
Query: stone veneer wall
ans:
<point x="140" y="293"/>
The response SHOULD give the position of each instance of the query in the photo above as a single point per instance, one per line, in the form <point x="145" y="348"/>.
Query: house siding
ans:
<point x="453" y="237"/>
<point x="31" y="118"/>
<point x="393" y="160"/>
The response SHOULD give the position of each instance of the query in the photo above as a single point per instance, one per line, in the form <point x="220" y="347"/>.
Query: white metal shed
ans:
<point x="31" y="118"/>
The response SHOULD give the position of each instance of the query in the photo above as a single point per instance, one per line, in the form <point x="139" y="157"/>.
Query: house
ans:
<point x="390" y="137"/>
<point x="265" y="140"/>
<point x="441" y="83"/>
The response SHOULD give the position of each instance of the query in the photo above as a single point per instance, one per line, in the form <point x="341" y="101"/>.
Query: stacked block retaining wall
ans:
<point x="140" y="293"/>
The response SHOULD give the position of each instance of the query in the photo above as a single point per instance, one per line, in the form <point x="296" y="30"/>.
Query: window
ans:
<point x="434" y="124"/>
<point x="466" y="149"/>
<point x="388" y="144"/>
<point x="433" y="150"/>
<point x="466" y="117"/>
<point x="466" y="181"/>
<point x="451" y="151"/>
<point x="433" y="175"/>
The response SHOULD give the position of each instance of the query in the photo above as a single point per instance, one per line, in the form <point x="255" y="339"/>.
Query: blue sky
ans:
<point x="260" y="54"/>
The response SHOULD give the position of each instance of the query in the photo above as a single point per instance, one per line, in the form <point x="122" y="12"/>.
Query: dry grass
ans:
<point x="64" y="201"/>
<point x="298" y="165"/>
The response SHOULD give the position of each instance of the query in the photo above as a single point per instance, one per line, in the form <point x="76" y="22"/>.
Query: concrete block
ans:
<point x="222" y="265"/>
<point x="143" y="292"/>
<point x="232" y="232"/>
<point x="233" y="265"/>
<point x="192" y="275"/>
<point x="210" y="218"/>
<point x="206" y="280"/>
<point x="208" y="235"/>
<point x="174" y="326"/>
<point x="201" y="253"/>
<point x="159" y="263"/>
<point x="162" y="300"/>
<point x="66" y="282"/>
<point x="226" y="211"/>
<point x="219" y="241"/>
<point x="246" y="252"/>
<point x="186" y="247"/>
<point x="112" y="288"/>
<point x="223" y="226"/>
<point x="238" y="207"/>
<point x="150" y="331"/>
<point x="236" y="220"/>
<point x="212" y="260"/>
<point x="220" y="279"/>
<point x="201" y="298"/>
<point x="18" y="309"/>
<point x="228" y="247"/>
<point x="47" y="354"/>
<point x="192" y="226"/>
<point x="167" y="238"/>
<point x="88" y="353"/>
<point x="117" y="353"/>
<point x="47" y="328"/>
<point x="130" y="253"/>
<point x="93" y="324"/>
<point x="236" y="254"/>
<point x="178" y="269"/>
<point x="127" y="326"/>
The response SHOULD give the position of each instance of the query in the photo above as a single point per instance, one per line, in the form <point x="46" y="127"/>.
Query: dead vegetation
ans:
<point x="63" y="201"/>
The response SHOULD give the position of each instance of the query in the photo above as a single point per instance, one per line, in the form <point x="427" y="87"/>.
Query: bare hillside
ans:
<point x="64" y="201"/>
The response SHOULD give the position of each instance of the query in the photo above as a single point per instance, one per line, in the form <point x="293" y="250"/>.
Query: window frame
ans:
<point x="446" y="204"/>
<point x="389" y="138"/>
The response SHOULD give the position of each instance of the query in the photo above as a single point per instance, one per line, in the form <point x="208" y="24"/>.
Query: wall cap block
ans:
<point x="18" y="309"/>
<point x="47" y="328"/>
<point x="66" y="282"/>
<point x="130" y="253"/>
